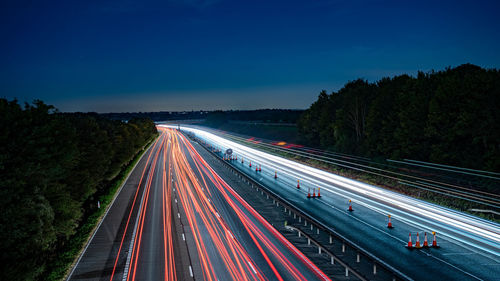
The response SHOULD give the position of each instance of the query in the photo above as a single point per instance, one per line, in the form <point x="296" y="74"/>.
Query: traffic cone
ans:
<point x="319" y="195"/>
<point x="314" y="192"/>
<point x="275" y="174"/>
<point x="410" y="245"/>
<point x="308" y="192"/>
<point x="250" y="164"/>
<point x="389" y="224"/>
<point x="350" y="206"/>
<point x="434" y="242"/>
<point x="417" y="243"/>
<point x="426" y="245"/>
<point x="298" y="184"/>
<point x="260" y="168"/>
<point x="256" y="168"/>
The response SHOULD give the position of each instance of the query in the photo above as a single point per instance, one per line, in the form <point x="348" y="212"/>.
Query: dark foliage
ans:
<point x="157" y="116"/>
<point x="219" y="117"/>
<point x="51" y="164"/>
<point x="449" y="117"/>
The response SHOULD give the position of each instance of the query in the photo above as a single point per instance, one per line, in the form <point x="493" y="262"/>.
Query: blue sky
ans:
<point x="113" y="56"/>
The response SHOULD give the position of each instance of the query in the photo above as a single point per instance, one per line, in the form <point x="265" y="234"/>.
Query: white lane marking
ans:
<point x="183" y="237"/>
<point x="460" y="254"/>
<point x="253" y="269"/>
<point x="191" y="271"/>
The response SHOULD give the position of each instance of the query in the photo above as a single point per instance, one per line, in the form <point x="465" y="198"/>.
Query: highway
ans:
<point x="176" y="219"/>
<point x="470" y="246"/>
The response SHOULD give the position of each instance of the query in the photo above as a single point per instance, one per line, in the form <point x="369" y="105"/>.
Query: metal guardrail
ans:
<point x="333" y="257"/>
<point x="397" y="275"/>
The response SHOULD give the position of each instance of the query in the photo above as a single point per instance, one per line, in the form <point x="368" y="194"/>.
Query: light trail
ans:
<point x="137" y="242"/>
<point x="177" y="170"/>
<point x="485" y="234"/>
<point x="223" y="187"/>
<point x="440" y="187"/>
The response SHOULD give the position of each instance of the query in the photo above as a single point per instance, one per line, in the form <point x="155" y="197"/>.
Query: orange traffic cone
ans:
<point x="417" y="243"/>
<point x="275" y="174"/>
<point x="260" y="168"/>
<point x="350" y="206"/>
<point x="426" y="245"/>
<point x="250" y="164"/>
<point x="308" y="192"/>
<point x="314" y="192"/>
<point x="298" y="184"/>
<point x="434" y="242"/>
<point x="389" y="224"/>
<point x="410" y="245"/>
<point x="256" y="168"/>
<point x="319" y="195"/>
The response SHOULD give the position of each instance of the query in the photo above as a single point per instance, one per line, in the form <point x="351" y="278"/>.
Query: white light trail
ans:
<point x="460" y="224"/>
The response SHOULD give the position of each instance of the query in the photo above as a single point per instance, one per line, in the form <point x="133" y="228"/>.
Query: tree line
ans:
<point x="219" y="117"/>
<point x="450" y="117"/>
<point x="51" y="166"/>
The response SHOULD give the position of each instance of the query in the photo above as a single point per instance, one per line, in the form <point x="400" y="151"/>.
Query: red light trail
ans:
<point x="186" y="176"/>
